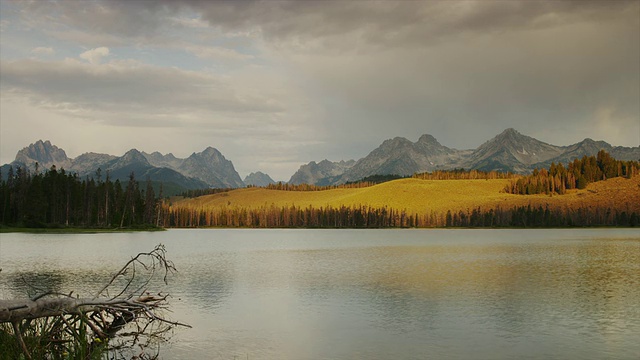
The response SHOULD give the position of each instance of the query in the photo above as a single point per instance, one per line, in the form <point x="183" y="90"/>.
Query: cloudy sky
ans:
<point x="276" y="84"/>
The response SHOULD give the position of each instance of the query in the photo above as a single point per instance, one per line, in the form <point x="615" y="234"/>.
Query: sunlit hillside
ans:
<point x="423" y="196"/>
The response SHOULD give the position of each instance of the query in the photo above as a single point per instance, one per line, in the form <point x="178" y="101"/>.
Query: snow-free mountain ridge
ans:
<point x="258" y="178"/>
<point x="507" y="151"/>
<point x="201" y="170"/>
<point x="323" y="173"/>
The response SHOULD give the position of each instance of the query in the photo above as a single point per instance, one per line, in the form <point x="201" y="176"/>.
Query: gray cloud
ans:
<point x="553" y="82"/>
<point x="130" y="86"/>
<point x="401" y="23"/>
<point x="130" y="18"/>
<point x="342" y="76"/>
<point x="387" y="23"/>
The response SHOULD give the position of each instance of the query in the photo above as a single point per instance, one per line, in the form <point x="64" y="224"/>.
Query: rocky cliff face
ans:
<point x="399" y="156"/>
<point x="89" y="163"/>
<point x="202" y="170"/>
<point x="258" y="179"/>
<point x="213" y="168"/>
<point x="626" y="153"/>
<point x="133" y="161"/>
<point x="508" y="151"/>
<point x="43" y="153"/>
<point x="322" y="173"/>
<point x="158" y="160"/>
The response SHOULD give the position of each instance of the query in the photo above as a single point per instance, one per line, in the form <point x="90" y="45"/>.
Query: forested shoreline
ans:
<point x="557" y="180"/>
<point x="364" y="217"/>
<point x="55" y="199"/>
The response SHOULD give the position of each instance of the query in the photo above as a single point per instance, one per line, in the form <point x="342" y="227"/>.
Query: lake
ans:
<point x="367" y="294"/>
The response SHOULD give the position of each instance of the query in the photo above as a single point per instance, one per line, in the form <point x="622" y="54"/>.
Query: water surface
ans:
<point x="367" y="294"/>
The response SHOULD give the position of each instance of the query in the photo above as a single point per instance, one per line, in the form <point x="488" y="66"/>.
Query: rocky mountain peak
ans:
<point x="428" y="139"/>
<point x="510" y="151"/>
<point x="400" y="156"/>
<point x="212" y="152"/>
<point x="88" y="163"/>
<point x="510" y="136"/>
<point x="321" y="173"/>
<point x="201" y="170"/>
<point x="131" y="157"/>
<point x="44" y="154"/>
<point x="258" y="178"/>
<point x="594" y="145"/>
<point x="158" y="160"/>
<point x="134" y="155"/>
<point x="398" y="140"/>
<point x="514" y="141"/>
<point x="211" y="167"/>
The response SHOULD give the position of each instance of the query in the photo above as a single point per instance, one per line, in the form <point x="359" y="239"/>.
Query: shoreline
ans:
<point x="74" y="230"/>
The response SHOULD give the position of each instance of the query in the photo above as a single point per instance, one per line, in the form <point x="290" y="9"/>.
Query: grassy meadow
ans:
<point x="423" y="196"/>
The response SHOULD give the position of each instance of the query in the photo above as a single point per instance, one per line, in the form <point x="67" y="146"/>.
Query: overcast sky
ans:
<point x="273" y="85"/>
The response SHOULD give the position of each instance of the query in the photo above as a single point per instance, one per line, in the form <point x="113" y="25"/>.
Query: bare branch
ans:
<point x="101" y="316"/>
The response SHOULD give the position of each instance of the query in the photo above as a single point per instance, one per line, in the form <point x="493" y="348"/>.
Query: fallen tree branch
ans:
<point x="99" y="319"/>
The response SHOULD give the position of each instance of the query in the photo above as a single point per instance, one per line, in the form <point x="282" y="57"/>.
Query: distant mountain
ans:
<point x="322" y="173"/>
<point x="88" y="163"/>
<point x="43" y="153"/>
<point x="212" y="168"/>
<point x="208" y="166"/>
<point x="158" y="160"/>
<point x="626" y="153"/>
<point x="258" y="179"/>
<point x="201" y="170"/>
<point x="589" y="147"/>
<point x="508" y="151"/>
<point x="400" y="156"/>
<point x="133" y="161"/>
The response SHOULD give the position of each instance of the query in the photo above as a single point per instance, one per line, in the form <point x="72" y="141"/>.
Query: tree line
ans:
<point x="202" y="192"/>
<point x="577" y="175"/>
<point x="462" y="174"/>
<point x="310" y="187"/>
<point x="369" y="217"/>
<point x="56" y="198"/>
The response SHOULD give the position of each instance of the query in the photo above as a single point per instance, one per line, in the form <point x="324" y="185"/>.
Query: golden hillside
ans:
<point x="423" y="196"/>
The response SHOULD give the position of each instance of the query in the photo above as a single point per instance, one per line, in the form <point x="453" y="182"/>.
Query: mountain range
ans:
<point x="508" y="151"/>
<point x="258" y="178"/>
<point x="206" y="169"/>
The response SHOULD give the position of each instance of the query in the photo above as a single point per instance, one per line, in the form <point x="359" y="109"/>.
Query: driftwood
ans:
<point x="17" y="310"/>
<point x="100" y="318"/>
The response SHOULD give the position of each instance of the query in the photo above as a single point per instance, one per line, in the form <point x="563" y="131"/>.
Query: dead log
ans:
<point x="102" y="316"/>
<point x="24" y="309"/>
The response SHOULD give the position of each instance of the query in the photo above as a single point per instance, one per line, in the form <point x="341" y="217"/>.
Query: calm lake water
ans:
<point x="368" y="294"/>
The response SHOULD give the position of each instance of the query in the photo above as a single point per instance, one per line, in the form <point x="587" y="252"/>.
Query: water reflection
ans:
<point x="81" y="283"/>
<point x="30" y="284"/>
<point x="205" y="282"/>
<point x="536" y="297"/>
<point x="380" y="295"/>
